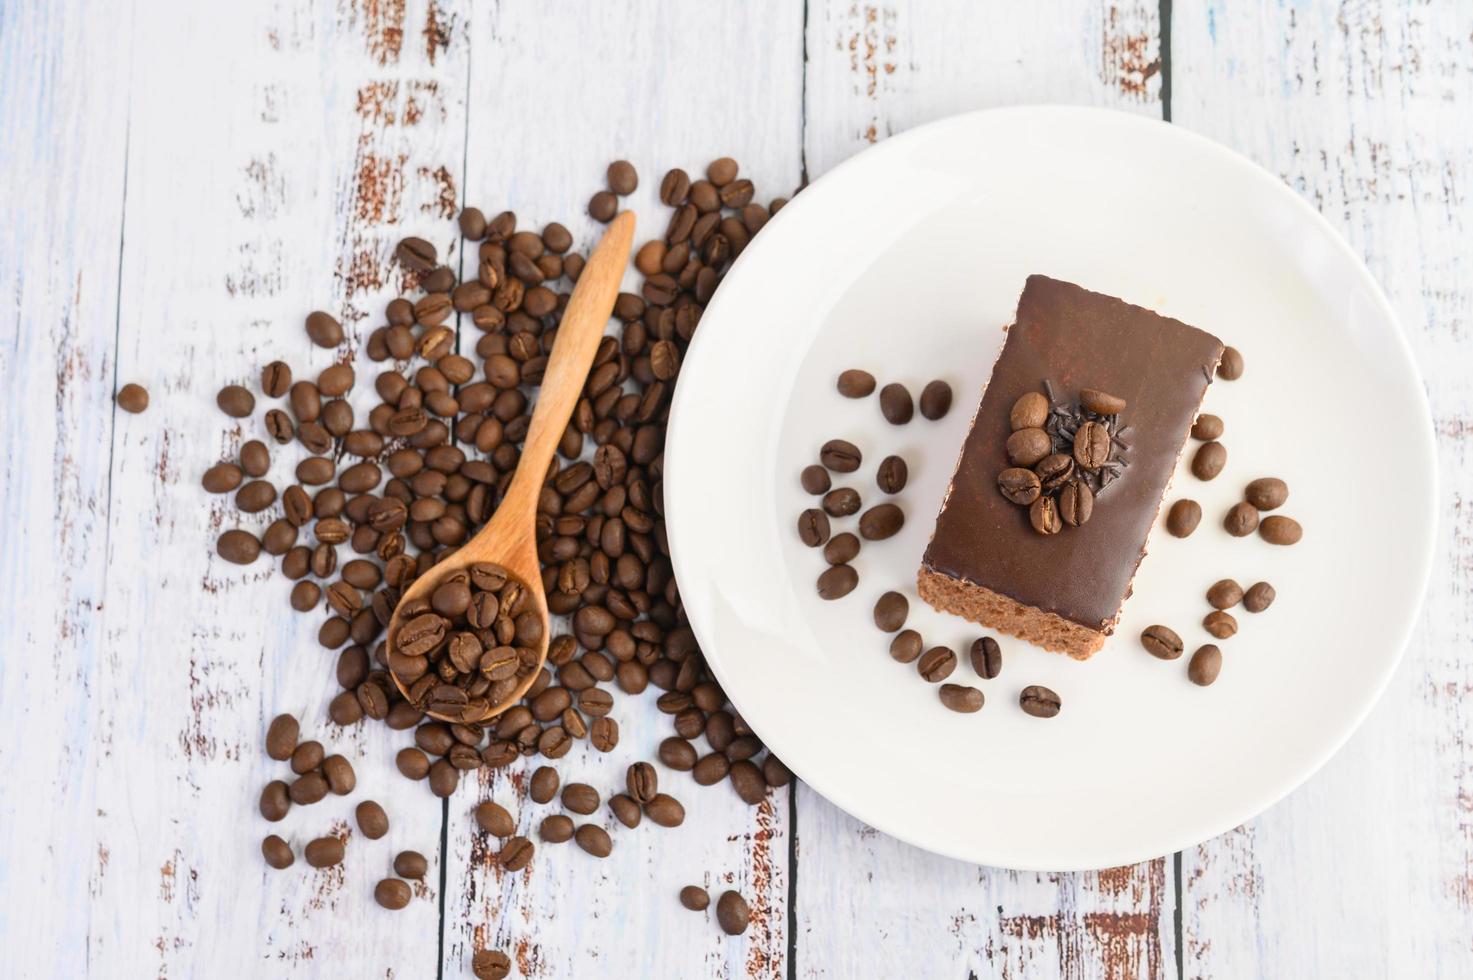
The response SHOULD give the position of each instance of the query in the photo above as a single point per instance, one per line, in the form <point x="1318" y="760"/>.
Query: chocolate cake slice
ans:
<point x="1022" y="569"/>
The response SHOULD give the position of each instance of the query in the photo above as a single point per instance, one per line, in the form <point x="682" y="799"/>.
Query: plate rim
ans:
<point x="1425" y="436"/>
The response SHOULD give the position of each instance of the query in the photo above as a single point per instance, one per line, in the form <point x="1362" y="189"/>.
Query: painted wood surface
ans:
<point x="185" y="182"/>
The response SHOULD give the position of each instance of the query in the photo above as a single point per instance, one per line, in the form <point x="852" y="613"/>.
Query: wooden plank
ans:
<point x="556" y="93"/>
<point x="868" y="904"/>
<point x="1362" y="108"/>
<point x="276" y="152"/>
<point x="61" y="186"/>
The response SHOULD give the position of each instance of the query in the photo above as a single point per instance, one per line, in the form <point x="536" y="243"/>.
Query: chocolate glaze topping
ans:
<point x="1076" y="339"/>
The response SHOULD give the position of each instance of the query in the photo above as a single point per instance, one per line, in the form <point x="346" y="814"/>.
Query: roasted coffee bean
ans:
<point x="544" y="784"/>
<point x="623" y="179"/>
<point x="392" y="894"/>
<point x="840" y="456"/>
<point x="1209" y="460"/>
<point x="678" y="754"/>
<point x="665" y="810"/>
<point x="1280" y="530"/>
<point x="603" y="734"/>
<point x="1076" y="502"/>
<point x="275" y="800"/>
<point x="580" y="798"/>
<point x="277" y="852"/>
<point x="986" y="657"/>
<point x="1054" y="471"/>
<point x="890" y="611"/>
<point x="1091" y="445"/>
<point x="373" y="822"/>
<point x="412" y="763"/>
<point x="595" y="840"/>
<point x="674" y="187"/>
<point x="711" y="769"/>
<point x="324" y="852"/>
<point x="880" y="522"/>
<point x="694" y="897"/>
<point x="1027" y="447"/>
<point x="339" y="774"/>
<point x="732" y="913"/>
<point x="237" y="546"/>
<point x="1018" y="485"/>
<point x="1100" y="402"/>
<point x="1043" y="514"/>
<point x="642" y="782"/>
<point x="1205" y="664"/>
<point x="602" y="206"/>
<point x="281" y="737"/>
<point x="411" y="865"/>
<point x="556" y="829"/>
<point x="305" y="596"/>
<point x="1220" y="625"/>
<point x="235" y="401"/>
<point x="906" y="646"/>
<point x="841" y="549"/>
<point x="444" y="778"/>
<point x="1241" y="519"/>
<point x="1183" y="517"/>
<point x="935" y="400"/>
<point x="961" y="698"/>
<point x="625" y="810"/>
<point x="896" y="404"/>
<point x="775" y="771"/>
<point x="1038" y="701"/>
<point x="936" y="664"/>
<point x="813" y="527"/>
<point x="255" y="497"/>
<point x="841" y="502"/>
<point x="1224" y="594"/>
<point x="222" y="478"/>
<point x="255" y="458"/>
<point x="516" y="854"/>
<point x="1030" y="411"/>
<point x="133" y="398"/>
<point x="307" y="757"/>
<point x="1207" y="428"/>
<point x="837" y="581"/>
<point x="1260" y="596"/>
<point x="855" y="383"/>
<point x="279" y="426"/>
<point x="324" y="329"/>
<point x="472" y="224"/>
<point x="490" y="964"/>
<point x="494" y="819"/>
<point x="1230" y="368"/>
<point x="1267" y="493"/>
<point x="892" y="474"/>
<point x="815" y="479"/>
<point x="1161" y="642"/>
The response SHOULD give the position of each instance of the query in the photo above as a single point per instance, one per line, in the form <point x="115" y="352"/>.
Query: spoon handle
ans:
<point x="578" y="334"/>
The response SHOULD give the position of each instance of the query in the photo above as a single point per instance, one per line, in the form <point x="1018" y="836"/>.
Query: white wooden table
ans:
<point x="182" y="180"/>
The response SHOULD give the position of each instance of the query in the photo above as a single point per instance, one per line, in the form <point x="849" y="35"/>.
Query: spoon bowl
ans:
<point x="509" y="539"/>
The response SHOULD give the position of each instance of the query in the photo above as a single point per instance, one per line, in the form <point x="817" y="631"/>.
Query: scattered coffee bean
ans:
<point x="815" y="479"/>
<point x="556" y="829"/>
<point x="1204" y="665"/>
<point x="411" y="865"/>
<point x="603" y="734"/>
<point x="602" y="206"/>
<point x="324" y="852"/>
<point x="222" y="478"/>
<point x="240" y="547"/>
<point x="133" y="398"/>
<point x="623" y="178"/>
<point x="906" y="646"/>
<point x="1241" y="519"/>
<point x="255" y="458"/>
<point x="694" y="897"/>
<point x="936" y="664"/>
<point x="1209" y="460"/>
<point x="678" y="754"/>
<point x="277" y="852"/>
<point x="373" y="822"/>
<point x="840" y="456"/>
<point x="880" y="522"/>
<point x="711" y="769"/>
<point x="516" y="854"/>
<point x="1076" y="502"/>
<point x="1183" y="517"/>
<point x="935" y="400"/>
<point x="281" y="737"/>
<point x="855" y="383"/>
<point x="1224" y="594"/>
<point x="892" y="474"/>
<point x="416" y="254"/>
<point x="1040" y="702"/>
<point x="1030" y="411"/>
<point x="1280" y="530"/>
<point x="841" y="502"/>
<point x="392" y="894"/>
<point x="625" y="810"/>
<point x="813" y="527"/>
<point x="1043" y="514"/>
<point x="642" y="782"/>
<point x="1220" y="625"/>
<point x="1161" y="642"/>
<point x="1100" y="402"/>
<point x="307" y="757"/>
<point x="896" y="404"/>
<point x="594" y="840"/>
<point x="544" y="784"/>
<point x="490" y="964"/>
<point x="1230" y="368"/>
<point x="733" y="913"/>
<point x="412" y="763"/>
<point x="841" y="549"/>
<point x="666" y="810"/>
<point x="986" y="656"/>
<point x="890" y="611"/>
<point x="324" y="328"/>
<point x="960" y="698"/>
<point x="1207" y="428"/>
<point x="1260" y="596"/>
<point x="748" y="782"/>
<point x="837" y="581"/>
<point x="444" y="778"/>
<point x="339" y="774"/>
<point x="775" y="771"/>
<point x="1028" y="447"/>
<point x="275" y="800"/>
<point x="235" y="401"/>
<point x="1267" y="493"/>
<point x="494" y="819"/>
<point x="674" y="187"/>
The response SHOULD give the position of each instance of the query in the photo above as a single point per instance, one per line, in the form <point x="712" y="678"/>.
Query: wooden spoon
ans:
<point x="510" y="538"/>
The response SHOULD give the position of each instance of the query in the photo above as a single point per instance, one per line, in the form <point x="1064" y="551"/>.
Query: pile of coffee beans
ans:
<point x="1062" y="455"/>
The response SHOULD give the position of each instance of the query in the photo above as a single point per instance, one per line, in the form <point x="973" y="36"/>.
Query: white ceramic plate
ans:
<point x="907" y="261"/>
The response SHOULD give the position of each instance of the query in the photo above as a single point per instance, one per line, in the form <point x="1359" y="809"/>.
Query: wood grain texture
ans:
<point x="640" y="83"/>
<point x="1366" y="109"/>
